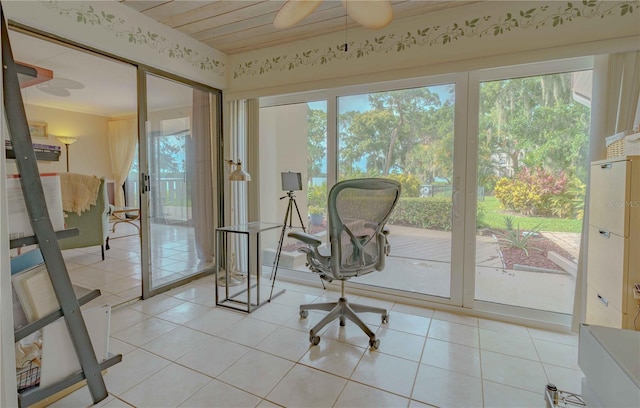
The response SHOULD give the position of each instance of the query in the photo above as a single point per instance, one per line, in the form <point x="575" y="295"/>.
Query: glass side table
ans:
<point x="239" y="291"/>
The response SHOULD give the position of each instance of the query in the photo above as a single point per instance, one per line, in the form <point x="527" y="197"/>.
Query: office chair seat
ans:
<point x="357" y="213"/>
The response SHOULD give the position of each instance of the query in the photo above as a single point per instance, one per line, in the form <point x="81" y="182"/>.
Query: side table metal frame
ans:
<point x="252" y="232"/>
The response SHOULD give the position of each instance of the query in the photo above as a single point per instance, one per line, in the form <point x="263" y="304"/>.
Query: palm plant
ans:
<point x="519" y="239"/>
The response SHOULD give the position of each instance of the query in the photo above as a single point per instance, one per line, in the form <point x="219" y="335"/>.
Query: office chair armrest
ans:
<point x="305" y="238"/>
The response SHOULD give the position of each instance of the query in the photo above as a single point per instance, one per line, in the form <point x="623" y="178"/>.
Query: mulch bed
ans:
<point x="538" y="250"/>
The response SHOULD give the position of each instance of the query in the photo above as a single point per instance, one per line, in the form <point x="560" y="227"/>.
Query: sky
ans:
<point x="360" y="102"/>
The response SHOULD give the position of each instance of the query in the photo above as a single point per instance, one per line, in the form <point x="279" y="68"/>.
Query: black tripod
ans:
<point x="288" y="217"/>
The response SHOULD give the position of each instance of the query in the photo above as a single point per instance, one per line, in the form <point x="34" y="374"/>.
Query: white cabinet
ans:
<point x="610" y="361"/>
<point x="613" y="256"/>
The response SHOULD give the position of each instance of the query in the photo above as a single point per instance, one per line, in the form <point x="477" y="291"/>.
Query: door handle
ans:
<point x="606" y="166"/>
<point x="603" y="300"/>
<point x="604" y="234"/>
<point x="454" y="199"/>
<point x="145" y="183"/>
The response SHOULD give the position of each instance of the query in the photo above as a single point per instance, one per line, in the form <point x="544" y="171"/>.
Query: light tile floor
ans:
<point x="179" y="350"/>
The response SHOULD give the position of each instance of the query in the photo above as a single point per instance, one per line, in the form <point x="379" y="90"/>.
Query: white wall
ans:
<point x="283" y="147"/>
<point x="89" y="155"/>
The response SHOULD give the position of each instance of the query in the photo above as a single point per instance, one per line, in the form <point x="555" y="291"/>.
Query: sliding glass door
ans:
<point x="408" y="135"/>
<point x="181" y="128"/>
<point x="532" y="152"/>
<point x="493" y="171"/>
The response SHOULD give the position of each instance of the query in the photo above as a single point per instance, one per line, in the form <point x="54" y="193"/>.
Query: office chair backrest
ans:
<point x="358" y="211"/>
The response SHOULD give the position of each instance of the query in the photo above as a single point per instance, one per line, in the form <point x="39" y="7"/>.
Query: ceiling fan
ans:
<point x="43" y="80"/>
<point x="59" y="86"/>
<point x="372" y="14"/>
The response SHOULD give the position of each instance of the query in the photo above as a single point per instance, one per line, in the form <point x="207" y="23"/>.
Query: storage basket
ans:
<point x="615" y="144"/>
<point x="28" y="377"/>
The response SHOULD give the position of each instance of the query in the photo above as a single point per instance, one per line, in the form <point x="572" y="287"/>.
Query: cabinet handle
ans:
<point x="603" y="300"/>
<point x="604" y="233"/>
<point x="606" y="166"/>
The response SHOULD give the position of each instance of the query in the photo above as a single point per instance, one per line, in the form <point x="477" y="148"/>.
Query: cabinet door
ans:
<point x="606" y="261"/>
<point x="608" y="197"/>
<point x="600" y="313"/>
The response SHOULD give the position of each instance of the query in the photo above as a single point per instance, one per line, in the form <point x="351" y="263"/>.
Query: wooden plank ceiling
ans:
<point x="234" y="26"/>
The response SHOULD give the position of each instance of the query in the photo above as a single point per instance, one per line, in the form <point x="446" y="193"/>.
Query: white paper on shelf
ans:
<point x="59" y="359"/>
<point x="19" y="224"/>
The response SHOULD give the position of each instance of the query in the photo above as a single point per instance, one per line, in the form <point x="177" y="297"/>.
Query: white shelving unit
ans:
<point x="47" y="240"/>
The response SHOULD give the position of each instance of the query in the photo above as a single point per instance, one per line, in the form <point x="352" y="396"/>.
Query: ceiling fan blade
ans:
<point x="294" y="11"/>
<point x="53" y="90"/>
<point x="66" y="83"/>
<point x="372" y="14"/>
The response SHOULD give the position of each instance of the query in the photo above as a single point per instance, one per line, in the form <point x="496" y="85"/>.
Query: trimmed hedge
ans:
<point x="423" y="212"/>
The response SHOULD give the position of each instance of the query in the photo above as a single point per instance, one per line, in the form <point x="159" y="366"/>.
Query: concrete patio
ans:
<point x="420" y="262"/>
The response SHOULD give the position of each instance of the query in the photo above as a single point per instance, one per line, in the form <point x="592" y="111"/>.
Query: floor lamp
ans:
<point x="237" y="175"/>
<point x="67" y="140"/>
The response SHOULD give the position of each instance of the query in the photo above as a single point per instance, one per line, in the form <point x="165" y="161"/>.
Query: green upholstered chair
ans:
<point x="93" y="224"/>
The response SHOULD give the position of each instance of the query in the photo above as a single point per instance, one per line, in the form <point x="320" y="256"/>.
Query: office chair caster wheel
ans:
<point x="343" y="321"/>
<point x="385" y="318"/>
<point x="374" y="344"/>
<point x="314" y="340"/>
<point x="304" y="314"/>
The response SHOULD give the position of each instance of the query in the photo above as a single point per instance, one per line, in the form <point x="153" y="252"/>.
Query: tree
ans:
<point x="403" y="131"/>
<point x="316" y="143"/>
<point x="534" y="121"/>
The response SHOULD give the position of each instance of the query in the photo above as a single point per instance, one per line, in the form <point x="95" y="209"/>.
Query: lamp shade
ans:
<point x="239" y="175"/>
<point x="67" y="140"/>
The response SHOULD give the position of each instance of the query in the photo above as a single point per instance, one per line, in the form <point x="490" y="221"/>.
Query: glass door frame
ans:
<point x="475" y="79"/>
<point x="459" y="80"/>
<point x="216" y="115"/>
<point x="466" y="124"/>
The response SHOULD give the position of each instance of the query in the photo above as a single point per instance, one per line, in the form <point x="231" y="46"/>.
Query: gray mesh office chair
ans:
<point x="358" y="210"/>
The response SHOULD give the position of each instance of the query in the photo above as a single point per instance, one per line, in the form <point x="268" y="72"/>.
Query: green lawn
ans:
<point x="494" y="218"/>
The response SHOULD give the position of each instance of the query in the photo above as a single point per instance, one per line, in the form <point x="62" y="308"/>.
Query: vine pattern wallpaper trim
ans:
<point x="531" y="18"/>
<point x="86" y="14"/>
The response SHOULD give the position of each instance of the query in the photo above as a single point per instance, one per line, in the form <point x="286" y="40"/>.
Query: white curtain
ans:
<point x="253" y="157"/>
<point x="123" y="138"/>
<point x="201" y="176"/>
<point x="245" y="202"/>
<point x="615" y="107"/>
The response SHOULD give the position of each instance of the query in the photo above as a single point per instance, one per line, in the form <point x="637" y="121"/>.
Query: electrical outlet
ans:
<point x="636" y="291"/>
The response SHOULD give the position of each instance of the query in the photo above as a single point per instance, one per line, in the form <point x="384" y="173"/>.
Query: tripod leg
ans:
<point x="276" y="261"/>
<point x="299" y="216"/>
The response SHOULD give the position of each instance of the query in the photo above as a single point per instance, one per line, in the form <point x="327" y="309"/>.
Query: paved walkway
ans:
<point x="569" y="241"/>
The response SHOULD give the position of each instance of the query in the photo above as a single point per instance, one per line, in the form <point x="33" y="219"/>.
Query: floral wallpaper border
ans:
<point x="87" y="14"/>
<point x="526" y="19"/>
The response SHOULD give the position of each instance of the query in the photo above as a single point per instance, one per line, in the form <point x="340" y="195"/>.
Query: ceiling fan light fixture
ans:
<point x="373" y="14"/>
<point x="294" y="11"/>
